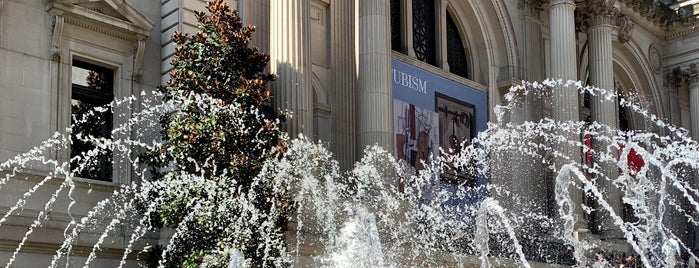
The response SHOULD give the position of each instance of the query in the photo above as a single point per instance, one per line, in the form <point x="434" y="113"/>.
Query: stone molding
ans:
<point x="557" y="2"/>
<point x="117" y="19"/>
<point x="648" y="11"/>
<point x="76" y="250"/>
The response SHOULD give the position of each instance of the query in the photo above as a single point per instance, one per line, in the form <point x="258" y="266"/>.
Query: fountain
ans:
<point x="382" y="212"/>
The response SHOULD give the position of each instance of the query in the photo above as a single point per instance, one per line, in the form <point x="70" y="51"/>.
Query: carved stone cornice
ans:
<point x="112" y="17"/>
<point x="648" y="11"/>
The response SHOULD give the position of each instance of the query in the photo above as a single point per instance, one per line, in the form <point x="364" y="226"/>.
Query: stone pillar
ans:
<point x="602" y="15"/>
<point x="673" y="80"/>
<point x="442" y="54"/>
<point x="1" y="4"/>
<point x="291" y="63"/>
<point x="343" y="65"/>
<point x="256" y="13"/>
<point x="693" y="82"/>
<point x="529" y="171"/>
<point x="375" y="107"/>
<point x="565" y="98"/>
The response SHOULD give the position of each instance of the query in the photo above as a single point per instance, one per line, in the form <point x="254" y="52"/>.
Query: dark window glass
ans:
<point x="395" y="25"/>
<point x="456" y="53"/>
<point x="623" y="116"/>
<point x="424" y="32"/>
<point x="92" y="87"/>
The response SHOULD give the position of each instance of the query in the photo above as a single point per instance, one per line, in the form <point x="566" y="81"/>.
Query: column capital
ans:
<point x="673" y="78"/>
<point x="692" y="75"/>
<point x="598" y="13"/>
<point x="531" y="7"/>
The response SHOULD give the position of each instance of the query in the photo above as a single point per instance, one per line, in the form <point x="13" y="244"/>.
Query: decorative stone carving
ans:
<point x="596" y="12"/>
<point x="138" y="60"/>
<point x="654" y="58"/>
<point x="115" y="18"/>
<point x="531" y="7"/>
<point x="693" y="75"/>
<point x="625" y="25"/>
<point x="673" y="79"/>
<point x="56" y="35"/>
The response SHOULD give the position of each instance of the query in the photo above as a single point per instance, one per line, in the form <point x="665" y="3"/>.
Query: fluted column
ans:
<point x="693" y="82"/>
<point x="604" y="112"/>
<point x="529" y="171"/>
<point x="375" y="107"/>
<point x="256" y="12"/>
<point x="565" y="98"/>
<point x="344" y="72"/>
<point x="291" y="62"/>
<point x="672" y="84"/>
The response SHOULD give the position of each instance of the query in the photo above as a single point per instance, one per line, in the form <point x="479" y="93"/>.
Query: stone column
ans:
<point x="602" y="15"/>
<point x="375" y="107"/>
<point x="256" y="13"/>
<point x="673" y="80"/>
<point x="290" y="61"/>
<point x="693" y="82"/>
<point x="1" y="4"/>
<point x="442" y="54"/>
<point x="565" y="98"/>
<point x="344" y="78"/>
<point x="529" y="171"/>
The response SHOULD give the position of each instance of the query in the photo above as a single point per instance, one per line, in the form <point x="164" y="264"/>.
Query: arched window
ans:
<point x="456" y="53"/>
<point x="424" y="32"/>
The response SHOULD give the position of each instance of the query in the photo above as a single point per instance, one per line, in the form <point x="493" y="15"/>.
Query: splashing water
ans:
<point x="383" y="213"/>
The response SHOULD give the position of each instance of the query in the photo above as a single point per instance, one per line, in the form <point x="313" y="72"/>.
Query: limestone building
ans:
<point x="400" y="73"/>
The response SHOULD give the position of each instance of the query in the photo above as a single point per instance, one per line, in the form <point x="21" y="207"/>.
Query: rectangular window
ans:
<point x="92" y="90"/>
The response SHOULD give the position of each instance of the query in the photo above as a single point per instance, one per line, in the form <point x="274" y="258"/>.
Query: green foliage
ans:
<point x="215" y="144"/>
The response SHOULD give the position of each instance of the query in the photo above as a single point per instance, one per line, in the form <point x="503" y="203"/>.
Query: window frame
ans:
<point x="110" y="34"/>
<point x="106" y="97"/>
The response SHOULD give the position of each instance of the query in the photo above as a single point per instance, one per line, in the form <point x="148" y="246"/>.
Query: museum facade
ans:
<point x="410" y="75"/>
